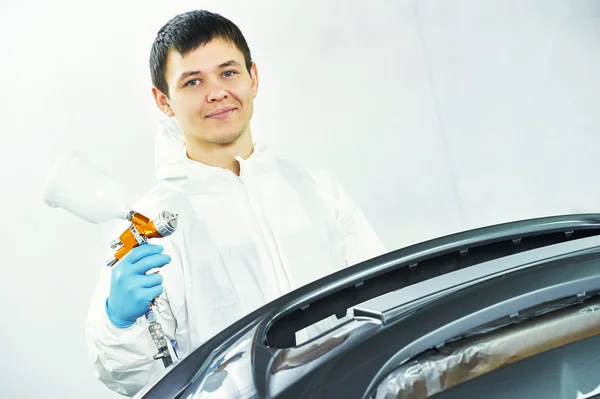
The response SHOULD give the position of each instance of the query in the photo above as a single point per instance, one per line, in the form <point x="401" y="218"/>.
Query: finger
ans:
<point x="150" y="262"/>
<point x="153" y="292"/>
<point x="151" y="280"/>
<point x="142" y="251"/>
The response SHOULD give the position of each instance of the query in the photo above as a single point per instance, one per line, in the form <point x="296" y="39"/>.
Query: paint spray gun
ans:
<point x="91" y="194"/>
<point x="138" y="233"/>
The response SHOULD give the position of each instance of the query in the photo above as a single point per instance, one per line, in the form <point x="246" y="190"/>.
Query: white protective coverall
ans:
<point x="241" y="242"/>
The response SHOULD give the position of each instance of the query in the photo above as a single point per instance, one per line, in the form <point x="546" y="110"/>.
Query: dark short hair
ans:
<point x="185" y="33"/>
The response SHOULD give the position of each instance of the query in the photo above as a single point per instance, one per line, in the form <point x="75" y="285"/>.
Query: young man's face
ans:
<point x="211" y="93"/>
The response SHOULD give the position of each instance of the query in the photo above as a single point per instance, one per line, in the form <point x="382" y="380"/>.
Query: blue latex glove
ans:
<point x="131" y="290"/>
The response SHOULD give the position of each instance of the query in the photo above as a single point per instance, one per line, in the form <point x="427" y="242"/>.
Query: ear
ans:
<point x="162" y="101"/>
<point x="254" y="77"/>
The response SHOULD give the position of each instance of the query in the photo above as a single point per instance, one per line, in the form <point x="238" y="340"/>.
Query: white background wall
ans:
<point x="437" y="116"/>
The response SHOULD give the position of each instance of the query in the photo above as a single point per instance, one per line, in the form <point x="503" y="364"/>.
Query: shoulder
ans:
<point x="157" y="199"/>
<point x="148" y="205"/>
<point x="151" y="203"/>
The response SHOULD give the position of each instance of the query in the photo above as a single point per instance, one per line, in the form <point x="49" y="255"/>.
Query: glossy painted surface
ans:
<point x="350" y="360"/>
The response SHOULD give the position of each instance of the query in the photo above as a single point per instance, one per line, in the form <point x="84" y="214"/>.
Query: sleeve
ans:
<point x="360" y="242"/>
<point x="122" y="358"/>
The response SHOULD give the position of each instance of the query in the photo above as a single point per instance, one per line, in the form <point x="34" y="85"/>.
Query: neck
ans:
<point x="220" y="155"/>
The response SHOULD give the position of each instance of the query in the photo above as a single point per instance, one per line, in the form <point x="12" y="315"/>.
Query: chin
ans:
<point x="224" y="138"/>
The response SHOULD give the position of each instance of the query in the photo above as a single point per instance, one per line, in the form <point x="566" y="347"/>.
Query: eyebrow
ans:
<point x="225" y="64"/>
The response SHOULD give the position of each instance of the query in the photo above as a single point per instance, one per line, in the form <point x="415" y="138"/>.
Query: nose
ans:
<point x="216" y="94"/>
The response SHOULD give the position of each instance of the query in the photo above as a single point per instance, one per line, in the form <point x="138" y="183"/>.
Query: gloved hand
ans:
<point x="131" y="290"/>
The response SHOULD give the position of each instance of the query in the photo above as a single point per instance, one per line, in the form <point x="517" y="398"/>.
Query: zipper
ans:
<point x="270" y="245"/>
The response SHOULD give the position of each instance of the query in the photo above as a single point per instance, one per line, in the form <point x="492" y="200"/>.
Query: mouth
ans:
<point x="222" y="113"/>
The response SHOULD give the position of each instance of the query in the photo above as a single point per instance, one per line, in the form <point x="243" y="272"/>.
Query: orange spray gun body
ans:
<point x="138" y="233"/>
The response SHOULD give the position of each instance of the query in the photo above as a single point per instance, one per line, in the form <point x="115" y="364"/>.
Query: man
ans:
<point x="251" y="226"/>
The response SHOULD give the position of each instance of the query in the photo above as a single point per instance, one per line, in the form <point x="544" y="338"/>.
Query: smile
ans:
<point x="222" y="113"/>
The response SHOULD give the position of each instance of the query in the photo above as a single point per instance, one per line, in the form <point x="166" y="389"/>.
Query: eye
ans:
<point x="229" y="74"/>
<point x="192" y="81"/>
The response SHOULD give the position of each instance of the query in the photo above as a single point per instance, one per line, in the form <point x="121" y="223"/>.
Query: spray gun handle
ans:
<point x="120" y="254"/>
<point x="139" y="231"/>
